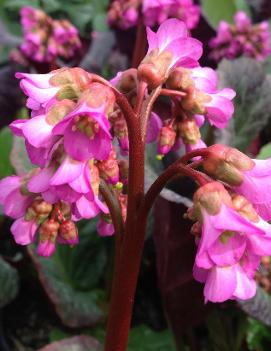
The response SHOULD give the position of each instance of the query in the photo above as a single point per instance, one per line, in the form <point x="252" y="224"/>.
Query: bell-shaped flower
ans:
<point x="86" y="133"/>
<point x="169" y="47"/>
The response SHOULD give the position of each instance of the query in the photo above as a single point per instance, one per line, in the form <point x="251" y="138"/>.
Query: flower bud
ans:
<point x="38" y="210"/>
<point x="99" y="95"/>
<point x="105" y="226"/>
<point x="128" y="81"/>
<point x="189" y="131"/>
<point x="94" y="176"/>
<point x="154" y="68"/>
<point x="59" y="111"/>
<point x="68" y="233"/>
<point x="47" y="237"/>
<point x="244" y="207"/>
<point x="166" y="139"/>
<point x="210" y="197"/>
<point x="180" y="79"/>
<point x="109" y="169"/>
<point x="226" y="164"/>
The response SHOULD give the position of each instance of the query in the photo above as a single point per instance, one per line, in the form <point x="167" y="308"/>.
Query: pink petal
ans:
<point x="68" y="171"/>
<point x="24" y="231"/>
<point x="220" y="284"/>
<point x="38" y="132"/>
<point x="246" y="287"/>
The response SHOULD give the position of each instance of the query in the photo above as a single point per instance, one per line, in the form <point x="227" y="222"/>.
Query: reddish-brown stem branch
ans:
<point x="195" y="153"/>
<point x="147" y="108"/>
<point x="174" y="93"/>
<point x="177" y="169"/>
<point x="140" y="97"/>
<point x="140" y="45"/>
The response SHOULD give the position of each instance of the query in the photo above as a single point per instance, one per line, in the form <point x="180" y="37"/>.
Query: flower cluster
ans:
<point x="242" y="38"/>
<point x="231" y="228"/>
<point x="172" y="59"/>
<point x="45" y="38"/>
<point x="125" y="14"/>
<point x="69" y="139"/>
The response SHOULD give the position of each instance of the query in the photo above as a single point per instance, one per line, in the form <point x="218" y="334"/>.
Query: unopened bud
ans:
<point x="154" y="68"/>
<point x="94" y="176"/>
<point x="166" y="139"/>
<point x="194" y="101"/>
<point x="68" y="232"/>
<point x="211" y="196"/>
<point x="49" y="230"/>
<point x="244" y="207"/>
<point x="109" y="169"/>
<point x="226" y="164"/>
<point x="99" y="95"/>
<point x="59" y="111"/>
<point x="128" y="81"/>
<point x="180" y="79"/>
<point x="189" y="131"/>
<point x="38" y="210"/>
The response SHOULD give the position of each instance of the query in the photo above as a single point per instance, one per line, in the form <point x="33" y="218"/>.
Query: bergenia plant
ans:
<point x="87" y="138"/>
<point x="241" y="39"/>
<point x="127" y="13"/>
<point x="45" y="39"/>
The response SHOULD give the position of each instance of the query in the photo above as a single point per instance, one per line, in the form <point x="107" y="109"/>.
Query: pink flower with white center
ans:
<point x="86" y="133"/>
<point x="169" y="47"/>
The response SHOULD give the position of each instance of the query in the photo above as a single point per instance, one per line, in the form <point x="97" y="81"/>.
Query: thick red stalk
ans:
<point x="129" y="253"/>
<point x="140" y="45"/>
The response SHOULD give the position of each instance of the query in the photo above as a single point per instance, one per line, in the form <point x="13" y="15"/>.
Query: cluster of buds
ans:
<point x="231" y="229"/>
<point x="125" y="14"/>
<point x="45" y="38"/>
<point x="242" y="38"/>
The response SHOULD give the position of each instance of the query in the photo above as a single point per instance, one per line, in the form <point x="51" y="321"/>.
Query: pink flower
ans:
<point x="186" y="11"/>
<point x="243" y="38"/>
<point x="43" y="90"/>
<point x="256" y="186"/>
<point x="105" y="226"/>
<point x="44" y="38"/>
<point x="24" y="231"/>
<point x="204" y="99"/>
<point x="156" y="11"/>
<point x="123" y="13"/>
<point x="169" y="47"/>
<point x="226" y="283"/>
<point x="86" y="133"/>
<point x="233" y="239"/>
<point x="12" y="196"/>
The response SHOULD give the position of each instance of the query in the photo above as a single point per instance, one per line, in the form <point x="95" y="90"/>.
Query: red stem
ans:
<point x="128" y="257"/>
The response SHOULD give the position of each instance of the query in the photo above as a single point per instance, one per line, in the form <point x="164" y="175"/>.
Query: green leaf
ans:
<point x="215" y="11"/>
<point x="142" y="338"/>
<point x="252" y="102"/>
<point x="265" y="152"/>
<point x="9" y="282"/>
<point x="71" y="276"/>
<point x="258" y="335"/>
<point x="5" y="147"/>
<point x="76" y="343"/>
